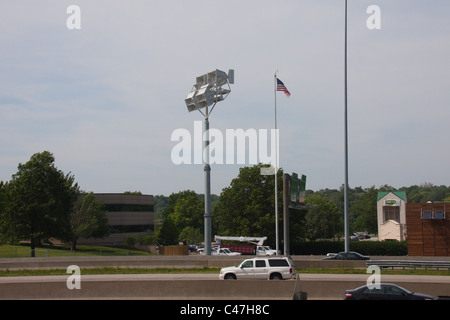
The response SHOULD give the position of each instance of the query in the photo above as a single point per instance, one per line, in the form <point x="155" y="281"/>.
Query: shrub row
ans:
<point x="370" y="248"/>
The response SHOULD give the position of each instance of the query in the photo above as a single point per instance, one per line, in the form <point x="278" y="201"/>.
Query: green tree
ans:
<point x="88" y="219"/>
<point x="183" y="209"/>
<point x="365" y="211"/>
<point x="321" y="221"/>
<point x="160" y="203"/>
<point x="247" y="206"/>
<point x="3" y="221"/>
<point x="172" y="200"/>
<point x="188" y="212"/>
<point x="39" y="198"/>
<point x="426" y="192"/>
<point x="190" y="235"/>
<point x="168" y="234"/>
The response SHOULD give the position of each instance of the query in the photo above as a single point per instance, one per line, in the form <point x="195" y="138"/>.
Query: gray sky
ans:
<point x="105" y="99"/>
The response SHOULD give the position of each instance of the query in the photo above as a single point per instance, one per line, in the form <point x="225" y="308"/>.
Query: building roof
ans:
<point x="400" y="194"/>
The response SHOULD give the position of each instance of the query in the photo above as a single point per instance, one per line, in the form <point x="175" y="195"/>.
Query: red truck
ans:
<point x="245" y="250"/>
<point x="255" y="248"/>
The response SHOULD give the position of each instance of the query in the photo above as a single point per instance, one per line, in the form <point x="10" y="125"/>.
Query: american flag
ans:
<point x="282" y="87"/>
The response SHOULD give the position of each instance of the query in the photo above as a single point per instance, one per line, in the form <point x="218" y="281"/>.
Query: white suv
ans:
<point x="260" y="268"/>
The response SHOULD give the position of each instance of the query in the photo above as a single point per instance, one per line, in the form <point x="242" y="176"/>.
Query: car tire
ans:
<point x="230" y="276"/>
<point x="276" y="276"/>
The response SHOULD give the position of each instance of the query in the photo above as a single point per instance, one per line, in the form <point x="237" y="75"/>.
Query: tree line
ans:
<point x="40" y="202"/>
<point x="247" y="208"/>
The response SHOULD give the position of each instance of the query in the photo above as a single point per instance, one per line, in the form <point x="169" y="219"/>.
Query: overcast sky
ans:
<point x="105" y="99"/>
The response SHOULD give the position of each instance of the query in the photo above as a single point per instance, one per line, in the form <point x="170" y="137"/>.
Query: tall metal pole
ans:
<point x="276" y="168"/>
<point x="197" y="101"/>
<point x="207" y="169"/>
<point x="346" y="205"/>
<point x="286" y="199"/>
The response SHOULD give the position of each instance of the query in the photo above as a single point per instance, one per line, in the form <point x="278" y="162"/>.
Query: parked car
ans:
<point x="260" y="268"/>
<point x="386" y="291"/>
<point x="201" y="248"/>
<point x="351" y="255"/>
<point x="224" y="252"/>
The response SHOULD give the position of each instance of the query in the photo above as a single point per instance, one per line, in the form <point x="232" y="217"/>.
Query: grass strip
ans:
<point x="106" y="270"/>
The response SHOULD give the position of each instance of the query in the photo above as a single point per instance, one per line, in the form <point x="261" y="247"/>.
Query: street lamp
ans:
<point x="209" y="89"/>
<point x="346" y="204"/>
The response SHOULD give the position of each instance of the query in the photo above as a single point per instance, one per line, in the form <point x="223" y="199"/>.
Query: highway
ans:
<point x="200" y="286"/>
<point x="193" y="285"/>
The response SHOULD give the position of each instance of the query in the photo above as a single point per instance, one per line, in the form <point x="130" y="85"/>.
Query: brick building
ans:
<point x="128" y="215"/>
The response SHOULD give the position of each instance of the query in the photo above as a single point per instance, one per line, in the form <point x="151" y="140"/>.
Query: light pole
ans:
<point x="208" y="90"/>
<point x="346" y="205"/>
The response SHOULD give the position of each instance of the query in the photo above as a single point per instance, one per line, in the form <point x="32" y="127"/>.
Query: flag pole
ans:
<point x="276" y="167"/>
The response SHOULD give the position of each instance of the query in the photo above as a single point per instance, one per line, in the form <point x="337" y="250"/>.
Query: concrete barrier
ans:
<point x="151" y="289"/>
<point x="317" y="287"/>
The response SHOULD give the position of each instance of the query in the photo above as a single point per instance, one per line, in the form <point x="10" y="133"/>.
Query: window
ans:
<point x="131" y="228"/>
<point x="373" y="290"/>
<point x="393" y="290"/>
<point x="247" y="264"/>
<point x="435" y="214"/>
<point x="439" y="215"/>
<point x="352" y="256"/>
<point x="340" y="256"/>
<point x="278" y="263"/>
<point x="260" y="263"/>
<point x="426" y="214"/>
<point x="391" y="213"/>
<point x="111" y="207"/>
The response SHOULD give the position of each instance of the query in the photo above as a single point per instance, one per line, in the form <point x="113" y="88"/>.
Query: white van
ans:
<point x="260" y="268"/>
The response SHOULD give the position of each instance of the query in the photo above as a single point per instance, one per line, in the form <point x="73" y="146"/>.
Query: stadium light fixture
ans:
<point x="209" y="89"/>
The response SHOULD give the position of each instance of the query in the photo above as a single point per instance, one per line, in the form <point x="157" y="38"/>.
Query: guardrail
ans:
<point x="414" y="264"/>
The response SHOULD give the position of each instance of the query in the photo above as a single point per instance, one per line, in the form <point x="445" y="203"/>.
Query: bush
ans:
<point x="370" y="248"/>
<point x="380" y="248"/>
<point x="130" y="241"/>
<point x="144" y="239"/>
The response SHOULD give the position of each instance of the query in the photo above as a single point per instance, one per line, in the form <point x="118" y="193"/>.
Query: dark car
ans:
<point x="351" y="255"/>
<point x="386" y="291"/>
